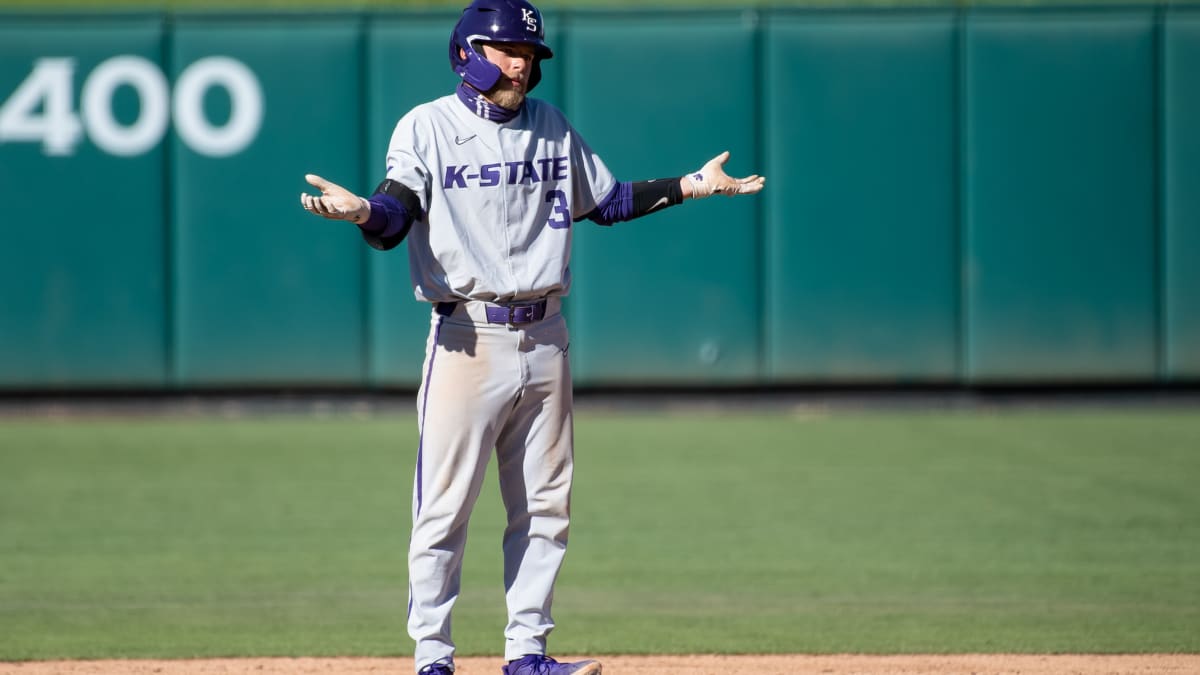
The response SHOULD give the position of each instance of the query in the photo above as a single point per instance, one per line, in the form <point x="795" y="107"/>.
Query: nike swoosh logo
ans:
<point x="458" y="140"/>
<point x="662" y="201"/>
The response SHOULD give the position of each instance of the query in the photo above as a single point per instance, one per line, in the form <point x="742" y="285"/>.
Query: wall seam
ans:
<point x="172" y="377"/>
<point x="1158" y="117"/>
<point x="367" y="318"/>
<point x="962" y="355"/>
<point x="760" y="210"/>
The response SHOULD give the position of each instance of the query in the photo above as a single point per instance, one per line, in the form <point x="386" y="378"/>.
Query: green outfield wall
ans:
<point x="955" y="196"/>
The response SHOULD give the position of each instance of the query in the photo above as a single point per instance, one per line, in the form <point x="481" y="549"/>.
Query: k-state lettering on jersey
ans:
<point x="498" y="199"/>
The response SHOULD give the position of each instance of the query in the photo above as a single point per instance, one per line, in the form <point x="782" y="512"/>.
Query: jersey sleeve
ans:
<point x="592" y="180"/>
<point x="407" y="150"/>
<point x="406" y="171"/>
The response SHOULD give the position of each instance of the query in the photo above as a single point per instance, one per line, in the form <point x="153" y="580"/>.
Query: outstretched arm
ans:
<point x="634" y="200"/>
<point x="384" y="219"/>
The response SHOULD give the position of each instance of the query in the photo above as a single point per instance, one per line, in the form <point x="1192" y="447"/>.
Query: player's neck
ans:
<point x="479" y="104"/>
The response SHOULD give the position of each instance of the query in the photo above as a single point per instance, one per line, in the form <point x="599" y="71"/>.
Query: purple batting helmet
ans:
<point x="496" y="21"/>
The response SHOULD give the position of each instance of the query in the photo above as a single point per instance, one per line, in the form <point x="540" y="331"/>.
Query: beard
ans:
<point x="503" y="95"/>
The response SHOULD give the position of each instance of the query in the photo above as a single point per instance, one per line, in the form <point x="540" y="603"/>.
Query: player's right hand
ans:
<point x="335" y="202"/>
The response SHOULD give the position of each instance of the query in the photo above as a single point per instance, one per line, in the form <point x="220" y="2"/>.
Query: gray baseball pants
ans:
<point x="485" y="386"/>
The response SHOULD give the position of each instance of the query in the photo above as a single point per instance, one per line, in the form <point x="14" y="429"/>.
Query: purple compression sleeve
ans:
<point x="388" y="216"/>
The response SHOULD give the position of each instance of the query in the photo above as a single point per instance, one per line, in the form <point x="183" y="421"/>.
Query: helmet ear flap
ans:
<point x="474" y="69"/>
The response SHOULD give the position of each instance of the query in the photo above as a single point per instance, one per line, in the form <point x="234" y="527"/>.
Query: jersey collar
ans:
<point x="477" y="103"/>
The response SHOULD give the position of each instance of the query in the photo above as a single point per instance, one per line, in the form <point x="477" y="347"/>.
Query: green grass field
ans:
<point x="1017" y="531"/>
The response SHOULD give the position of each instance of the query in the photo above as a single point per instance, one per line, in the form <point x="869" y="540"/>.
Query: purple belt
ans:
<point x="509" y="314"/>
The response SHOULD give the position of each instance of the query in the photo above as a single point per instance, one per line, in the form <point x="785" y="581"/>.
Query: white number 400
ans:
<point x="42" y="109"/>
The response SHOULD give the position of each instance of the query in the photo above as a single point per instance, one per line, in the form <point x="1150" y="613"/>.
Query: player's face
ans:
<point x="515" y="61"/>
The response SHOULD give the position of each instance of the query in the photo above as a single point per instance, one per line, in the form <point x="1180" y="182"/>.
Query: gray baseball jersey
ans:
<point x="498" y="200"/>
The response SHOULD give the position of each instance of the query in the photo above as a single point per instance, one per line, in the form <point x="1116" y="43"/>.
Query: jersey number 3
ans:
<point x="560" y="218"/>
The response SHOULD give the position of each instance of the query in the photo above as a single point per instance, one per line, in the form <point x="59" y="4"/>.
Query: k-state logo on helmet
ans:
<point x="530" y="19"/>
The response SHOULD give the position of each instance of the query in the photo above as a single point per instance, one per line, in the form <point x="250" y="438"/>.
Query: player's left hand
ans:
<point x="335" y="202"/>
<point x="711" y="179"/>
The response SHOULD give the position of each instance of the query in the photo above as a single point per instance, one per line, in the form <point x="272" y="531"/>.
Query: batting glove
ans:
<point x="711" y="179"/>
<point x="335" y="202"/>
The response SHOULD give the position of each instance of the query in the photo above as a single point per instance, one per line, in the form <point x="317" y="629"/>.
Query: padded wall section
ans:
<point x="862" y="229"/>
<point x="398" y="324"/>
<point x="1060" y="196"/>
<point x="1181" y="190"/>
<point x="266" y="293"/>
<point x="82" y="234"/>
<point x="674" y="297"/>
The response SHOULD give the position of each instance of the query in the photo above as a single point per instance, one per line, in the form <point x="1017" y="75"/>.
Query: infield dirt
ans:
<point x="957" y="664"/>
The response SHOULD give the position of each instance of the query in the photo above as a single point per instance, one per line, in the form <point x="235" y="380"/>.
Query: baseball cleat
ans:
<point x="536" y="664"/>
<point x="436" y="669"/>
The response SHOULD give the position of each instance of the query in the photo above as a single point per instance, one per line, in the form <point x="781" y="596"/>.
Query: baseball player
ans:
<point x="487" y="185"/>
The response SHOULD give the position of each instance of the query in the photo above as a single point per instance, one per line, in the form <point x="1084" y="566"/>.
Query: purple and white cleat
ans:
<point x="536" y="664"/>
